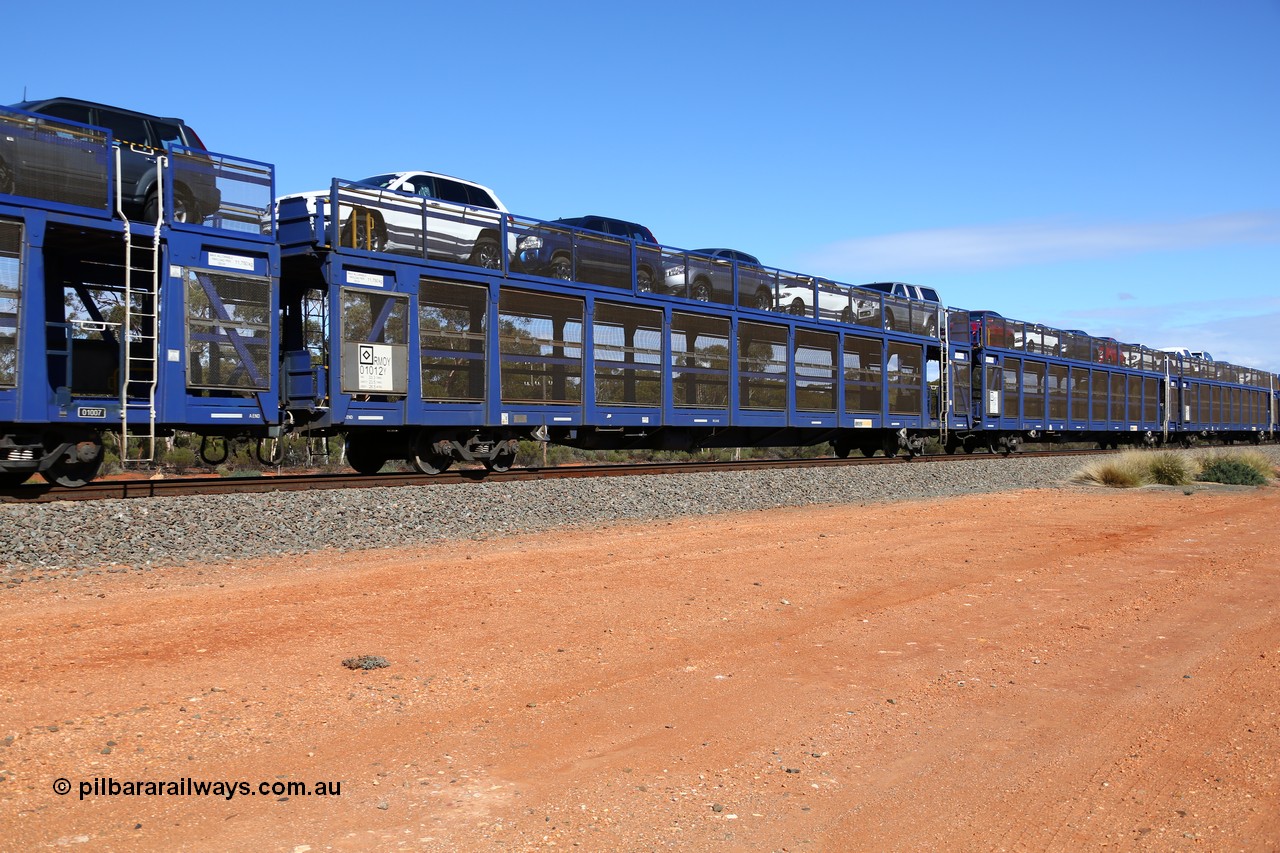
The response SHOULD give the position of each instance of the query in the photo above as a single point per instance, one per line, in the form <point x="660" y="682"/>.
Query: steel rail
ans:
<point x="187" y="486"/>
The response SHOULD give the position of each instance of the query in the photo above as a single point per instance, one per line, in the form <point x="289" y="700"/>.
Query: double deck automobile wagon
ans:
<point x="260" y="318"/>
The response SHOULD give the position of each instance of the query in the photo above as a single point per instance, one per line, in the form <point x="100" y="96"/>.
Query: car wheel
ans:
<point x="487" y="254"/>
<point x="184" y="208"/>
<point x="931" y="328"/>
<point x="644" y="279"/>
<point x="701" y="290"/>
<point x="846" y="316"/>
<point x="888" y="322"/>
<point x="6" y="178"/>
<point x="796" y="308"/>
<point x="763" y="300"/>
<point x="363" y="230"/>
<point x="151" y="209"/>
<point x="561" y="268"/>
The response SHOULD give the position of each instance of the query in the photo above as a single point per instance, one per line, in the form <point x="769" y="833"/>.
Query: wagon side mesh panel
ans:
<point x="699" y="361"/>
<point x="762" y="366"/>
<point x="540" y="338"/>
<point x="228" y="331"/>
<point x="815" y="360"/>
<point x="10" y="277"/>
<point x="863" y="365"/>
<point x="45" y="158"/>
<point x="452" y="323"/>
<point x="628" y="355"/>
<point x="226" y="192"/>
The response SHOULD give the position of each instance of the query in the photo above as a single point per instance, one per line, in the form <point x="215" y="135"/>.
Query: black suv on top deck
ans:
<point x="141" y="138"/>
<point x="566" y="249"/>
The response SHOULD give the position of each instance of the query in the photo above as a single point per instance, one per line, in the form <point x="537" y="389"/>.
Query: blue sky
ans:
<point x="1108" y="165"/>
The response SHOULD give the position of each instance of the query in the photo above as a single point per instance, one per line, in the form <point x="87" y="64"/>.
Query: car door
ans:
<point x="599" y="258"/>
<point x="900" y="311"/>
<point x="41" y="168"/>
<point x="137" y="151"/>
<point x="403" y="217"/>
<point x="615" y="258"/>
<point x="648" y="256"/>
<point x="452" y="234"/>
<point x="484" y="215"/>
<point x="752" y="279"/>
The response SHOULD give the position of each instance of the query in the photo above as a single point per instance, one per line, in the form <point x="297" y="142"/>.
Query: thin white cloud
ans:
<point x="1241" y="333"/>
<point x="1022" y="244"/>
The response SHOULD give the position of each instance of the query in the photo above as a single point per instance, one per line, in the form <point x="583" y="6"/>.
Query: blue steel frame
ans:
<point x="1136" y="419"/>
<point x="35" y="403"/>
<point x="302" y="230"/>
<point x="179" y="406"/>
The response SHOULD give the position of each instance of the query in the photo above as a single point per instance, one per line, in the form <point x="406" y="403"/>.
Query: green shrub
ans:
<point x="110" y="463"/>
<point x="238" y="473"/>
<point x="180" y="458"/>
<point x="1232" y="471"/>
<point x="1256" y="460"/>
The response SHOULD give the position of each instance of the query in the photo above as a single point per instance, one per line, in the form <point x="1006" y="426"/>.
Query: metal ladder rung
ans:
<point x="141" y="331"/>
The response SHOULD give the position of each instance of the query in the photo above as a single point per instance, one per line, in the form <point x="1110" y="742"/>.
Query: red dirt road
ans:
<point x="1047" y="670"/>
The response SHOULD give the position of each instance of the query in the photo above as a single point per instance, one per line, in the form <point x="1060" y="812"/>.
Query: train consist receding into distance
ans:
<point x="152" y="286"/>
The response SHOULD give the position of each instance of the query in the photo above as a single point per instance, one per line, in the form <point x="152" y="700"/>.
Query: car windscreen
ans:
<point x="383" y="181"/>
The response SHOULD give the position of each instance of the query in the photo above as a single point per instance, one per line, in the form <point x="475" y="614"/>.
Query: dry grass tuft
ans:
<point x="1171" y="468"/>
<point x="1125" y="471"/>
<point x="1167" y="468"/>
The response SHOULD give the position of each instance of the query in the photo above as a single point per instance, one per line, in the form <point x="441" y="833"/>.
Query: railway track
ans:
<point x="172" y="487"/>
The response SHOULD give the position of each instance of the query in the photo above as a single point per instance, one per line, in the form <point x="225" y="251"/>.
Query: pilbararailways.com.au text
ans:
<point x="187" y="787"/>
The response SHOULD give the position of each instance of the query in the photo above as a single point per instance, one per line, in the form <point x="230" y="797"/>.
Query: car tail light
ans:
<point x="195" y="137"/>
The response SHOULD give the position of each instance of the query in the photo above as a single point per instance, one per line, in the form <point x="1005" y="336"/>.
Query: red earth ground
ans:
<point x="1043" y="670"/>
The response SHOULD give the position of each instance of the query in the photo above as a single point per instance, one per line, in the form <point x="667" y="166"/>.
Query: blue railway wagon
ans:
<point x="107" y="324"/>
<point x="1221" y="400"/>
<point x="417" y="358"/>
<point x="1043" y="384"/>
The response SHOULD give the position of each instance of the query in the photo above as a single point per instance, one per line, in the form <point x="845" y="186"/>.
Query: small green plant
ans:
<point x="180" y="458"/>
<point x="228" y="471"/>
<point x="1257" y="460"/>
<point x="1232" y="471"/>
